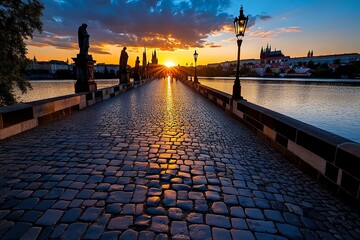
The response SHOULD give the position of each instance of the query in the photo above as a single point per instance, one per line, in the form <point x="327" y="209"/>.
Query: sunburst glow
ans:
<point x="169" y="64"/>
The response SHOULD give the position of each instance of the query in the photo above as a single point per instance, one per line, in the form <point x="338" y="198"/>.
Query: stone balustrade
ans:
<point x="24" y="116"/>
<point x="332" y="160"/>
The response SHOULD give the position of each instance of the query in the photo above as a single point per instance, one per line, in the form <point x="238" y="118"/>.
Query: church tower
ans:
<point x="35" y="63"/>
<point x="154" y="59"/>
<point x="144" y="60"/>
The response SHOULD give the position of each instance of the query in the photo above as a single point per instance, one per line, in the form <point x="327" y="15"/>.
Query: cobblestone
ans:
<point x="50" y="217"/>
<point x="200" y="232"/>
<point x="159" y="162"/>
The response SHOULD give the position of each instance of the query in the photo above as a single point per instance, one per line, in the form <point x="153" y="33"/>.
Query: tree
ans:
<point x="311" y="64"/>
<point x="106" y="72"/>
<point x="18" y="20"/>
<point x="244" y="70"/>
<point x="268" y="70"/>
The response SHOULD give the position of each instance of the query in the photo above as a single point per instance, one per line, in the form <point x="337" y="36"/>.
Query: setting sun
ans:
<point x="169" y="64"/>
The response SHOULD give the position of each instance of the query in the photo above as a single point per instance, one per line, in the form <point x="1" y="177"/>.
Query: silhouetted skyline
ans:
<point x="176" y="28"/>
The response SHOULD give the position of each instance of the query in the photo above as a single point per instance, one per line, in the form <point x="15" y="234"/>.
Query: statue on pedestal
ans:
<point x="123" y="66"/>
<point x="84" y="63"/>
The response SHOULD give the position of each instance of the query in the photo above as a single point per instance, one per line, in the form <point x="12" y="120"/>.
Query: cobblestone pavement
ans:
<point x="159" y="162"/>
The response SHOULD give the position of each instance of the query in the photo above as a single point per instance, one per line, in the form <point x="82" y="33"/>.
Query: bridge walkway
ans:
<point x="159" y="162"/>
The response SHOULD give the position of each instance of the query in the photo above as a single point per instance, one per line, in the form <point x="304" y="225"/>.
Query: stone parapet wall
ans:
<point x="332" y="160"/>
<point x="24" y="116"/>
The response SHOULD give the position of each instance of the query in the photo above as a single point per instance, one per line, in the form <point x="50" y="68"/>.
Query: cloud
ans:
<point x="290" y="29"/>
<point x="253" y="19"/>
<point x="262" y="34"/>
<point x="168" y="25"/>
<point x="264" y="17"/>
<point x="269" y="34"/>
<point x="212" y="45"/>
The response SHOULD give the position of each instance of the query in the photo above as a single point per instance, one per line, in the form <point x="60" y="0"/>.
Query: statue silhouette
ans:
<point x="137" y="69"/>
<point x="123" y="59"/>
<point x="83" y="38"/>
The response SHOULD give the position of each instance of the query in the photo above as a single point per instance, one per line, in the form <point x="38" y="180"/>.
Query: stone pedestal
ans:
<point x="84" y="73"/>
<point x="124" y="76"/>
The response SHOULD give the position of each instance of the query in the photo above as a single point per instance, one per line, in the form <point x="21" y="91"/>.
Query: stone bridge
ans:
<point x="159" y="162"/>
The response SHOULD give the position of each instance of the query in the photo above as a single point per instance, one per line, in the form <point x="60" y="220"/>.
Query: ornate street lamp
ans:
<point x="240" y="27"/>
<point x="195" y="59"/>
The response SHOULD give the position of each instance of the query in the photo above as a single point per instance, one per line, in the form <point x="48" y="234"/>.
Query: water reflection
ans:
<point x="43" y="89"/>
<point x="335" y="108"/>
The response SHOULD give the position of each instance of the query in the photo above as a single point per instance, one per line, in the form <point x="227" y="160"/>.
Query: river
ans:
<point x="332" y="105"/>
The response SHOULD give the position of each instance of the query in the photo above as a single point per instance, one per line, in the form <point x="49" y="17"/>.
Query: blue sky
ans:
<point x="175" y="28"/>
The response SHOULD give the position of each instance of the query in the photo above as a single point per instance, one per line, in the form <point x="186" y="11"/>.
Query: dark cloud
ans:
<point x="165" y="24"/>
<point x="253" y="19"/>
<point x="265" y="17"/>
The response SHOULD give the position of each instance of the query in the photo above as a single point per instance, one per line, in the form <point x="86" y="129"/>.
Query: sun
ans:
<point x="169" y="64"/>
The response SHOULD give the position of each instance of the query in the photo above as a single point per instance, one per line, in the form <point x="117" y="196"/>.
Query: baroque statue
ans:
<point x="83" y="38"/>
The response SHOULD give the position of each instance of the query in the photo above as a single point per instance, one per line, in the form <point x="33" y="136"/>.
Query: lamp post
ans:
<point x="195" y="59"/>
<point x="240" y="26"/>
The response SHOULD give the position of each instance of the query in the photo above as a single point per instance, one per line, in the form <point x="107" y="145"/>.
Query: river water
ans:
<point x="332" y="105"/>
<point x="43" y="89"/>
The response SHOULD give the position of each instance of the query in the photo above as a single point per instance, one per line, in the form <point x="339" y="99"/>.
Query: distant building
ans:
<point x="310" y="53"/>
<point x="50" y="66"/>
<point x="213" y="65"/>
<point x="52" y="69"/>
<point x="100" y="67"/>
<point x="327" y="59"/>
<point x="144" y="60"/>
<point x="268" y="56"/>
<point x="228" y="64"/>
<point x="154" y="59"/>
<point x="249" y="61"/>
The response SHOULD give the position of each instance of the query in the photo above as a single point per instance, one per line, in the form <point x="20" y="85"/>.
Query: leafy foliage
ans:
<point x="18" y="20"/>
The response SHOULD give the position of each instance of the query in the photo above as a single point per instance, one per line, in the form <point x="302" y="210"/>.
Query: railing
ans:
<point x="24" y="116"/>
<point x="330" y="159"/>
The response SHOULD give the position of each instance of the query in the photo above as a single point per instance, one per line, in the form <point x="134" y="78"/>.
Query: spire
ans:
<point x="34" y="62"/>
<point x="261" y="53"/>
<point x="268" y="48"/>
<point x="154" y="59"/>
<point x="144" y="57"/>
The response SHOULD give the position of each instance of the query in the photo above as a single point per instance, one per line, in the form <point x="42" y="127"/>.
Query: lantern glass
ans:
<point x="196" y="56"/>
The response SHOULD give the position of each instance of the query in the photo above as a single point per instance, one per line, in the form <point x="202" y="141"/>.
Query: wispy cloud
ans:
<point x="290" y="29"/>
<point x="270" y="34"/>
<point x="262" y="34"/>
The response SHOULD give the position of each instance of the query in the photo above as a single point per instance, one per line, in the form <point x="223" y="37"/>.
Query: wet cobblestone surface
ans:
<point x="159" y="162"/>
